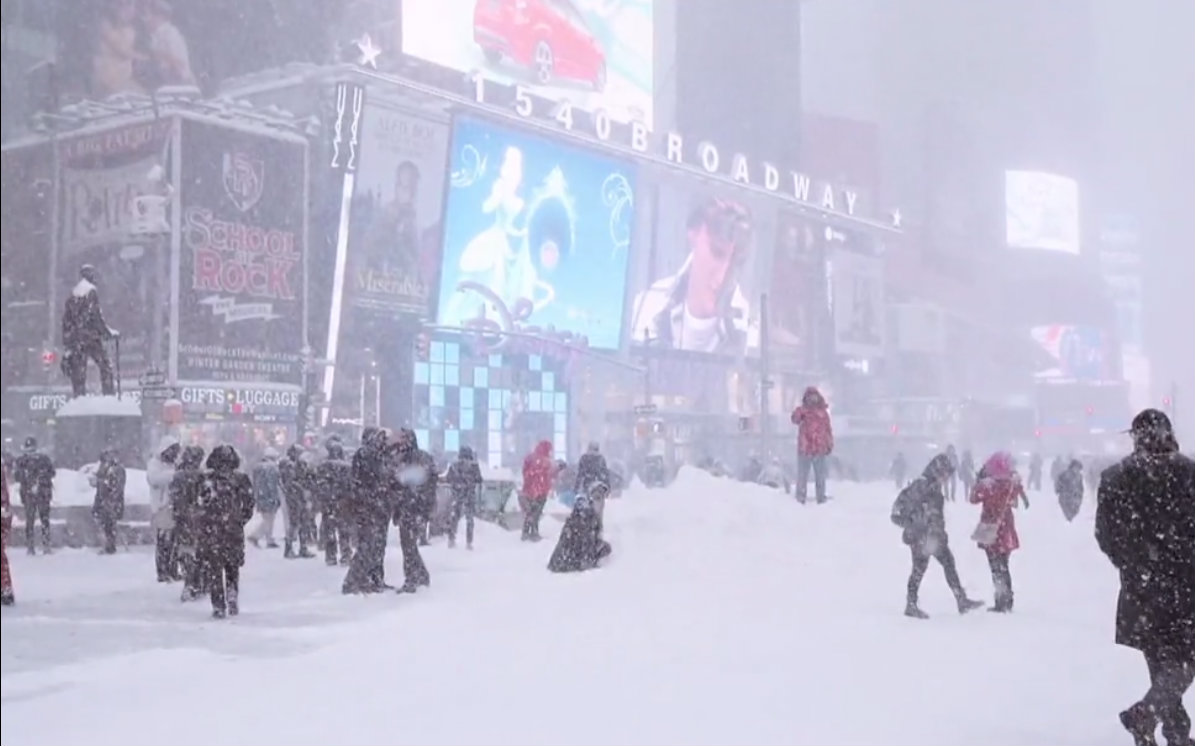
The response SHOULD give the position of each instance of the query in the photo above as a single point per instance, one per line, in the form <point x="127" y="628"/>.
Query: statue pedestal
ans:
<point x="86" y="425"/>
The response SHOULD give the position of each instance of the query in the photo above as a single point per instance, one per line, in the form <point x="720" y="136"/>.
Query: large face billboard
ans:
<point x="594" y="54"/>
<point x="101" y="174"/>
<point x="25" y="243"/>
<point x="241" y="278"/>
<point x="797" y="298"/>
<point x="537" y="235"/>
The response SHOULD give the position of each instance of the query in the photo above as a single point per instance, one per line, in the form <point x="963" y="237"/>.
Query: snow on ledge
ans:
<point x="93" y="405"/>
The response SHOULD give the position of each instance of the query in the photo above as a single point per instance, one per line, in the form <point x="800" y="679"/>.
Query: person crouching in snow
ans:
<point x="581" y="546"/>
<point x="184" y="502"/>
<point x="225" y="506"/>
<point x="920" y="511"/>
<point x="996" y="534"/>
<point x="108" y="508"/>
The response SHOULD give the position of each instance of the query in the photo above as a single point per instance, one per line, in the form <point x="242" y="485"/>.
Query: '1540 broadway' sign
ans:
<point x="674" y="148"/>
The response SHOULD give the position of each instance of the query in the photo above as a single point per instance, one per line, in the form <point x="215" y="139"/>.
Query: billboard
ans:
<point x="101" y="174"/>
<point x="537" y="234"/>
<point x="1080" y="353"/>
<point x="242" y="269"/>
<point x="25" y="244"/>
<point x="594" y="54"/>
<point x="1041" y="211"/>
<point x="109" y="47"/>
<point x="797" y="301"/>
<point x="393" y="251"/>
<point x="857" y="284"/>
<point x="698" y="294"/>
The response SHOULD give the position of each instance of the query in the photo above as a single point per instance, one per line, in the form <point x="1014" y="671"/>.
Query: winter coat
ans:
<point x="591" y="470"/>
<point x="34" y="474"/>
<point x="109" y="491"/>
<point x="225" y="506"/>
<point x="267" y="485"/>
<point x="998" y="493"/>
<point x="372" y="482"/>
<point x="418" y="479"/>
<point x="295" y="474"/>
<point x="580" y="546"/>
<point x="1145" y="524"/>
<point x="920" y="511"/>
<point x="815" y="434"/>
<point x="1069" y="486"/>
<point x="464" y="479"/>
<point x="334" y="483"/>
<point x="82" y="320"/>
<point x="184" y="497"/>
<point x="538" y="470"/>
<point x="158" y="473"/>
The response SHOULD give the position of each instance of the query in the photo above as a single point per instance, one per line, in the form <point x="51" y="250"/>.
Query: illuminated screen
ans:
<point x="595" y="54"/>
<point x="1080" y="353"/>
<point x="536" y="235"/>
<point x="1041" y="211"/>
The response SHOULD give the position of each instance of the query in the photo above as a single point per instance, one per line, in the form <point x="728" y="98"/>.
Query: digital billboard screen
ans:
<point x="595" y="54"/>
<point x="1041" y="211"/>
<point x="1079" y="353"/>
<point x="537" y="234"/>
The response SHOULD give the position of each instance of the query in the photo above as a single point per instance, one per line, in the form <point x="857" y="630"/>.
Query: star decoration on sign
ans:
<point x="367" y="52"/>
<point x="897" y="218"/>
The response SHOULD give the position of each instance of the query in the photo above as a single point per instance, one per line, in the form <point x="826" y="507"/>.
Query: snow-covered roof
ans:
<point x="93" y="405"/>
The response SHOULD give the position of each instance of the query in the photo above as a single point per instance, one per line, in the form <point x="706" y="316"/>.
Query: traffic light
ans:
<point x="48" y="357"/>
<point x="1166" y="402"/>
<point x="1090" y="411"/>
<point x="423" y="346"/>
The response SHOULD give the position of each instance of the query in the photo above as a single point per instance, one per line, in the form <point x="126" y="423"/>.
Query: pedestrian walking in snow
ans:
<point x="334" y="488"/>
<point x="966" y="472"/>
<point x="899" y="470"/>
<point x="373" y="484"/>
<point x="952" y="482"/>
<point x="7" y="597"/>
<point x="581" y="545"/>
<point x="998" y="493"/>
<point x="538" y="473"/>
<point x="34" y="474"/>
<point x="108" y="508"/>
<point x="184" y="502"/>
<point x="465" y="480"/>
<point x="815" y="443"/>
<point x="1145" y="524"/>
<point x="159" y="472"/>
<point x="919" y="511"/>
<point x="267" y="497"/>
<point x="417" y="481"/>
<point x="1035" y="469"/>
<point x="296" y="479"/>
<point x="591" y="470"/>
<point x="1069" y="487"/>
<point x="225" y="506"/>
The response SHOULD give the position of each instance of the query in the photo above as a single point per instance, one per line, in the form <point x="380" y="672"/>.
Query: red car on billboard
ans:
<point x="548" y="37"/>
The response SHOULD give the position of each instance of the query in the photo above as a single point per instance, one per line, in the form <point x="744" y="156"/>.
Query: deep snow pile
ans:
<point x="728" y="614"/>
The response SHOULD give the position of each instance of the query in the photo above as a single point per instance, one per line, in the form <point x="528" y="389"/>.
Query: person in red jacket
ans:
<point x="539" y="471"/>
<point x="815" y="441"/>
<point x="998" y="492"/>
<point x="6" y="594"/>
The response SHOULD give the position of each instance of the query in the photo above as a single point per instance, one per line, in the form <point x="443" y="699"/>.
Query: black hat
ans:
<point x="1151" y="422"/>
<point x="30" y="444"/>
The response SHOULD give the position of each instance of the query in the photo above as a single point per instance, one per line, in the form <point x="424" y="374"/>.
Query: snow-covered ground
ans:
<point x="728" y="614"/>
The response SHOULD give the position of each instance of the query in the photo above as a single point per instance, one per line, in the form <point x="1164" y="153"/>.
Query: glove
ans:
<point x="114" y="333"/>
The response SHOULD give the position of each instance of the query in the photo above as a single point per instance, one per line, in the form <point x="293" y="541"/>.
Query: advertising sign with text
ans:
<point x="241" y="295"/>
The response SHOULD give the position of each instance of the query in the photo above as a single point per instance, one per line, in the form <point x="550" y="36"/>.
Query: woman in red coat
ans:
<point x="539" y="471"/>
<point x="997" y="491"/>
<point x="815" y="441"/>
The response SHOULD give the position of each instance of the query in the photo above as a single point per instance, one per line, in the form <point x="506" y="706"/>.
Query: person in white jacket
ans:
<point x="158" y="472"/>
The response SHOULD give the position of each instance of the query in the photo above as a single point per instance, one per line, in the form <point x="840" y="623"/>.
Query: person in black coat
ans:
<point x="416" y="499"/>
<point x="1069" y="487"/>
<point x="920" y="511"/>
<point x="465" y="480"/>
<point x="591" y="470"/>
<point x="225" y="506"/>
<point x="371" y="507"/>
<point x="184" y="504"/>
<point x="108" y="507"/>
<point x="34" y="474"/>
<point x="581" y="546"/>
<point x="1145" y="524"/>
<point x="84" y="332"/>
<point x="297" y="481"/>
<point x="334" y="486"/>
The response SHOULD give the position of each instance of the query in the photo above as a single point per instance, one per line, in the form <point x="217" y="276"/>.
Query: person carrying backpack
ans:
<point x="919" y="511"/>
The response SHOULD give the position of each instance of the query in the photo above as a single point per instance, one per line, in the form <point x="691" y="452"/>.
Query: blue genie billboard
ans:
<point x="537" y="237"/>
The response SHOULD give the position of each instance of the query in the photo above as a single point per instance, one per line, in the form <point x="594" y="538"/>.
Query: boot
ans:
<point x="1003" y="605"/>
<point x="231" y="603"/>
<point x="966" y="605"/>
<point x="913" y="611"/>
<point x="218" y="613"/>
<point x="1141" y="723"/>
<point x="451" y="542"/>
<point x="7" y="599"/>
<point x="304" y="552"/>
<point x="469" y="546"/>
<point x="271" y="544"/>
<point x="255" y="542"/>
<point x="289" y="551"/>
